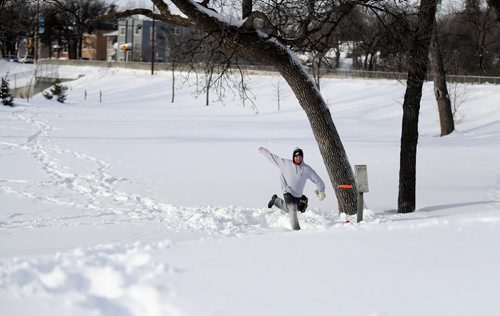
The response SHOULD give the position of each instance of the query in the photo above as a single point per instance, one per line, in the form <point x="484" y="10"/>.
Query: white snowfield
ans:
<point x="140" y="206"/>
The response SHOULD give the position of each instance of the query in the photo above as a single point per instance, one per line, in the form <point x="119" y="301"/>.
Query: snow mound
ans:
<point x="115" y="279"/>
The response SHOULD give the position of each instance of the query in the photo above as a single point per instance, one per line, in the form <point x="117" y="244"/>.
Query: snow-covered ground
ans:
<point x="140" y="206"/>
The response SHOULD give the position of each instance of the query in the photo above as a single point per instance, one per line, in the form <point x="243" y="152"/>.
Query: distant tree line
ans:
<point x="55" y="21"/>
<point x="469" y="37"/>
<point x="378" y="33"/>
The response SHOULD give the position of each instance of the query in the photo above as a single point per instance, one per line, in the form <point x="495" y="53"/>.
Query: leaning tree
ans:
<point x="266" y="39"/>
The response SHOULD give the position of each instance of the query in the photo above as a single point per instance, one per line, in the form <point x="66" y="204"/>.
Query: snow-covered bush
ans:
<point x="59" y="90"/>
<point x="5" y="95"/>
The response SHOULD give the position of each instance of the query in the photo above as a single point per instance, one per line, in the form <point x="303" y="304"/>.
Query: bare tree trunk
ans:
<point x="173" y="82"/>
<point x="316" y="68"/>
<point x="324" y="130"/>
<point x="337" y="56"/>
<point x="246" y="8"/>
<point x="411" y="106"/>
<point x="79" y="47"/>
<point x="209" y="84"/>
<point x="440" y="87"/>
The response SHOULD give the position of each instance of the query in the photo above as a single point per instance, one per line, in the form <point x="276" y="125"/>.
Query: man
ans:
<point x="294" y="174"/>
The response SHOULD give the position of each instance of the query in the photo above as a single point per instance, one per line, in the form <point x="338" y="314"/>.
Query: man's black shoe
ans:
<point x="271" y="203"/>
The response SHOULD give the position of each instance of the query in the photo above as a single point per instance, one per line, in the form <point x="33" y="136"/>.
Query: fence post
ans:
<point x="361" y="175"/>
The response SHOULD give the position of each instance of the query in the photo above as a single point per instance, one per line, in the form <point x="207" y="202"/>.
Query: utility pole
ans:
<point x="126" y="39"/>
<point x="153" y="47"/>
<point x="132" y="41"/>
<point x="37" y="30"/>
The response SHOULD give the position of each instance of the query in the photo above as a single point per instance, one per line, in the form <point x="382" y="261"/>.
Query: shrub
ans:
<point x="59" y="90"/>
<point x="5" y="95"/>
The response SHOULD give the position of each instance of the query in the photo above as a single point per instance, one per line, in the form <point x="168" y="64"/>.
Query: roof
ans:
<point x="114" y="33"/>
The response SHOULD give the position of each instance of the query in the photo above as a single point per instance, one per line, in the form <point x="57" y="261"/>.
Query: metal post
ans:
<point x="360" y="207"/>
<point x="132" y="41"/>
<point x="37" y="34"/>
<point x="126" y="39"/>
<point x="361" y="175"/>
<point x="153" y="35"/>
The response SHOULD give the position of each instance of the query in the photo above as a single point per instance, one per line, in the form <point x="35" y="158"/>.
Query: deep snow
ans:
<point x="137" y="206"/>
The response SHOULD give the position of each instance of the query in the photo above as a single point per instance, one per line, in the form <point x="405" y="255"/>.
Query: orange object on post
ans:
<point x="345" y="186"/>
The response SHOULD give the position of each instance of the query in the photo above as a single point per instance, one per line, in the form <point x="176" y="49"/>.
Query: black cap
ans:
<point x="298" y="152"/>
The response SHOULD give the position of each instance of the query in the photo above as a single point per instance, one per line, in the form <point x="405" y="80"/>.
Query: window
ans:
<point x="138" y="29"/>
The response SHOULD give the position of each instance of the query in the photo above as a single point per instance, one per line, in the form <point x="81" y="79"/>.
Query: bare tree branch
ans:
<point x="164" y="15"/>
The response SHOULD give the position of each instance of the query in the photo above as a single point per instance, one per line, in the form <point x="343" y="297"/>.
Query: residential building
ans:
<point x="135" y="41"/>
<point x="94" y="46"/>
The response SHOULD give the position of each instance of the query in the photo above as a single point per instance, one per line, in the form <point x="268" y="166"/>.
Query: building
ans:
<point x="94" y="46"/>
<point x="132" y="41"/>
<point x="111" y="45"/>
<point x="138" y="41"/>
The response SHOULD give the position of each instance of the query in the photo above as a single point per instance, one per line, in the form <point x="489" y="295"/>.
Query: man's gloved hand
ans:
<point x="320" y="194"/>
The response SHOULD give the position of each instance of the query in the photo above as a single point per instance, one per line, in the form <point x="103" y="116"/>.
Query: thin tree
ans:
<point x="440" y="87"/>
<point x="5" y="96"/>
<point x="480" y="26"/>
<point x="18" y="19"/>
<point x="79" y="16"/>
<point x="411" y="107"/>
<point x="470" y="40"/>
<point x="495" y="5"/>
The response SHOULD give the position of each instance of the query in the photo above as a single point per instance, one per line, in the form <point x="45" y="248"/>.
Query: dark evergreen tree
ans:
<point x="5" y="95"/>
<point x="48" y="95"/>
<point x="59" y="90"/>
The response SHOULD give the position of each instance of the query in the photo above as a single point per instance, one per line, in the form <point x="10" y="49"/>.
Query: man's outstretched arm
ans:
<point x="275" y="160"/>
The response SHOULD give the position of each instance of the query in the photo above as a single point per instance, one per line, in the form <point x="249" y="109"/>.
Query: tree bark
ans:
<point x="440" y="88"/>
<point x="411" y="106"/>
<point x="324" y="130"/>
<point x="246" y="8"/>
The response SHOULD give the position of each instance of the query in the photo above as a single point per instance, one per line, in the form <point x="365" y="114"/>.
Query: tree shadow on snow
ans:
<point x="455" y="205"/>
<point x="437" y="208"/>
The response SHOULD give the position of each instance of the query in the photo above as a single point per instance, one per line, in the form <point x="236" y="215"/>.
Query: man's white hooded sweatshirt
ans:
<point x="294" y="177"/>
